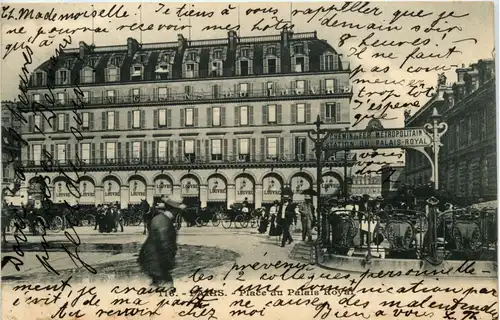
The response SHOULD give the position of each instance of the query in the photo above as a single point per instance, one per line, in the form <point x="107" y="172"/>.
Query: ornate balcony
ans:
<point x="191" y="161"/>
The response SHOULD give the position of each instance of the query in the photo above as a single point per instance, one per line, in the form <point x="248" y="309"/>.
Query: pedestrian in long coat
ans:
<point x="157" y="255"/>
<point x="306" y="210"/>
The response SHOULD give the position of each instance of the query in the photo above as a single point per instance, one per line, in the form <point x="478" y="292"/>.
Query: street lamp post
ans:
<point x="346" y="196"/>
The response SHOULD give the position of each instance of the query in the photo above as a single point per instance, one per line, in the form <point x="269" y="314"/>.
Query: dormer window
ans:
<point x="299" y="49"/>
<point x="39" y="79"/>
<point x="115" y="61"/>
<point x="111" y="74"/>
<point x="216" y="69"/>
<point x="192" y="56"/>
<point x="68" y="64"/>
<point x="136" y="72"/>
<point x="62" y="77"/>
<point x="92" y="62"/>
<point x="218" y="54"/>
<point x="166" y="58"/>
<point x="331" y="62"/>
<point x="244" y="53"/>
<point x="87" y="75"/>
<point x="143" y="59"/>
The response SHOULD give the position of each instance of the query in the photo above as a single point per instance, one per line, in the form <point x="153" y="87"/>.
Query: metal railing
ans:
<point x="188" y="159"/>
<point x="201" y="95"/>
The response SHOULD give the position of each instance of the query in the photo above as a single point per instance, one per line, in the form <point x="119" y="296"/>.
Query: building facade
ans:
<point x="370" y="184"/>
<point x="467" y="160"/>
<point x="11" y="152"/>
<point x="216" y="121"/>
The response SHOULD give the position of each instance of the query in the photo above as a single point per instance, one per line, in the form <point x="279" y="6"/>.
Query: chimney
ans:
<point x="84" y="49"/>
<point x="132" y="46"/>
<point x="460" y="73"/>
<point x="286" y="36"/>
<point x="181" y="42"/>
<point x="232" y="37"/>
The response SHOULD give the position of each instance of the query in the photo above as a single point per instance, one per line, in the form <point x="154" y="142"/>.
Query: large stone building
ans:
<point x="370" y="184"/>
<point x="467" y="160"/>
<point x="11" y="152"/>
<point x="219" y="120"/>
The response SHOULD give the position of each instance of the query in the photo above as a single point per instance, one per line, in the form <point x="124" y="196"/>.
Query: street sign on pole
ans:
<point x="386" y="138"/>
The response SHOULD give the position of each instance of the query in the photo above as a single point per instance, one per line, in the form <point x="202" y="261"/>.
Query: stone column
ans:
<point x="203" y="195"/>
<point x="150" y="193"/>
<point x="258" y="195"/>
<point x="124" y="197"/>
<point x="176" y="192"/>
<point x="231" y="194"/>
<point x="99" y="194"/>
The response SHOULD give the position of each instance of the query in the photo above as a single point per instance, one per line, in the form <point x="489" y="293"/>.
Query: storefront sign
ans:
<point x="387" y="138"/>
<point x="330" y="185"/>
<point x="137" y="189"/>
<point x="271" y="189"/>
<point x="190" y="187"/>
<point x="245" y="188"/>
<point x="87" y="192"/>
<point x="163" y="187"/>
<point x="216" y="189"/>
<point x="111" y="191"/>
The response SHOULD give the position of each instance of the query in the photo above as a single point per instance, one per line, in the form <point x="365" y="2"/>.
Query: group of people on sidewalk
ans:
<point x="282" y="216"/>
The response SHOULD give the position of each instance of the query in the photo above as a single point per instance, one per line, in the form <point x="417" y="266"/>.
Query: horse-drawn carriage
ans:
<point x="241" y="215"/>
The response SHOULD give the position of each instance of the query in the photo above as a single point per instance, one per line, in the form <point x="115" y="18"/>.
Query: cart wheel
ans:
<point x="198" y="222"/>
<point x="226" y="223"/>
<point x="216" y="219"/>
<point x="137" y="221"/>
<point x="56" y="224"/>
<point x="40" y="225"/>
<point x="88" y="220"/>
<point x="240" y="220"/>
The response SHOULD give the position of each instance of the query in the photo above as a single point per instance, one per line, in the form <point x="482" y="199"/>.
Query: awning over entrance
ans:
<point x="217" y="189"/>
<point x="190" y="187"/>
<point x="330" y="185"/>
<point x="111" y="188"/>
<point x="245" y="188"/>
<point x="271" y="188"/>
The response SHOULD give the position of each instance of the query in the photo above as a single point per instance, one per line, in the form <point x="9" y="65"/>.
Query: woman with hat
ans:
<point x="273" y="211"/>
<point x="157" y="255"/>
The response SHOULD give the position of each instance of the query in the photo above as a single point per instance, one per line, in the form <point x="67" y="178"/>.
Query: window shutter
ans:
<point x="292" y="84"/>
<point x="66" y="122"/>
<point x="153" y="150"/>
<point x="77" y="152"/>
<point x="28" y="150"/>
<point x="68" y="152"/>
<point x="42" y="123"/>
<point x="266" y="66"/>
<point x="236" y="116"/>
<point x="225" y="151"/>
<point x="282" y="147"/>
<point x="55" y="122"/>
<point x="102" y="152"/>
<point x="338" y="117"/>
<point x="143" y="119"/>
<point x="209" y="116"/>
<point x="127" y="151"/>
<point x="264" y="114"/>
<point x="278" y="113"/>
<point x="235" y="148"/>
<point x="195" y="120"/>
<point x="129" y="119"/>
<point x="155" y="94"/>
<point x="263" y="147"/>
<point x="250" y="66"/>
<point x="250" y="115"/>
<point x="198" y="148"/>
<point x="182" y="117"/>
<point x="171" y="149"/>
<point x="91" y="120"/>
<point x="196" y="67"/>
<point x="52" y="151"/>
<point x="31" y="127"/>
<point x="238" y="68"/>
<point x="92" y="153"/>
<point x="323" y="111"/>
<point x="308" y="113"/>
<point x="307" y="87"/>
<point x="179" y="149"/>
<point x="104" y="127"/>
<point x="119" y="150"/>
<point x="293" y="117"/>
<point x="117" y="120"/>
<point x="322" y="86"/>
<point x="322" y="63"/>
<point x="222" y="116"/>
<point x="169" y="118"/>
<point x="155" y="118"/>
<point x="254" y="147"/>
<point x="207" y="149"/>
<point x="144" y="154"/>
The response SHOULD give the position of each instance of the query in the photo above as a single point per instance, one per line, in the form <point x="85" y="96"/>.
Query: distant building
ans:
<point x="468" y="157"/>
<point x="366" y="184"/>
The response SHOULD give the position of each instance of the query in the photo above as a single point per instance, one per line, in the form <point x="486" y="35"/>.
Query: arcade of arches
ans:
<point x="260" y="187"/>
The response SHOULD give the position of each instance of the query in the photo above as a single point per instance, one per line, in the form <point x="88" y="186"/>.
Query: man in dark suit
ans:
<point x="286" y="215"/>
<point x="157" y="256"/>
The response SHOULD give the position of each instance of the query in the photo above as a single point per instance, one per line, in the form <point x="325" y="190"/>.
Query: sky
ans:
<point x="471" y="25"/>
